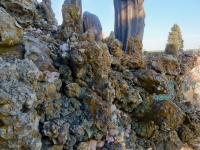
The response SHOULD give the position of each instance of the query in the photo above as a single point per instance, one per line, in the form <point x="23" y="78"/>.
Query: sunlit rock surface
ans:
<point x="62" y="90"/>
<point x="92" y="23"/>
<point x="11" y="32"/>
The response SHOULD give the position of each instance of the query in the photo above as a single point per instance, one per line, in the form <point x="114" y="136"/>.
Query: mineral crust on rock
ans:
<point x="92" y="23"/>
<point x="39" y="53"/>
<point x="67" y="91"/>
<point x="23" y="11"/>
<point x="11" y="32"/>
<point x="48" y="11"/>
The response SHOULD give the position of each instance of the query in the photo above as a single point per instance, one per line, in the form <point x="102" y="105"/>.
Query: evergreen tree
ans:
<point x="175" y="37"/>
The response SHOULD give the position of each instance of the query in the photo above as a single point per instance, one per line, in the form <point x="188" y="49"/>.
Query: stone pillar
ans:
<point x="92" y="23"/>
<point x="129" y="20"/>
<point x="75" y="2"/>
<point x="48" y="11"/>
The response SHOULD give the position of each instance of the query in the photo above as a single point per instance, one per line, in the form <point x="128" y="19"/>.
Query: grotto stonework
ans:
<point x="92" y="23"/>
<point x="129" y="20"/>
<point x="62" y="90"/>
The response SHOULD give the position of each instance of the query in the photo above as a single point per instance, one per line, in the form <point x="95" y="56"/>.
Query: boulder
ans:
<point x="11" y="32"/>
<point x="116" y="48"/>
<point x="130" y="100"/>
<point x="108" y="40"/>
<point x="134" y="49"/>
<point x="38" y="52"/>
<point x="92" y="23"/>
<point x="144" y="128"/>
<point x="167" y="115"/>
<point x="56" y="131"/>
<point x="151" y="81"/>
<point x="18" y="120"/>
<point x="189" y="131"/>
<point x="73" y="90"/>
<point x="168" y="140"/>
<point x="48" y="11"/>
<point x="77" y="3"/>
<point x="166" y="65"/>
<point x="23" y="11"/>
<point x="71" y="21"/>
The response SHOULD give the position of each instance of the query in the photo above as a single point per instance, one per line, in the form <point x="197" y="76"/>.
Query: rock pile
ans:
<point x="65" y="91"/>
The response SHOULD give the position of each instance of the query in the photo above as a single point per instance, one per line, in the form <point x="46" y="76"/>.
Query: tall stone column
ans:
<point x="75" y="2"/>
<point x="129" y="20"/>
<point x="48" y="11"/>
<point x="92" y="23"/>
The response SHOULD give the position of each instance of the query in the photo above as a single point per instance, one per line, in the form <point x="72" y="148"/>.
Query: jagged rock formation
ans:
<point x="48" y="11"/>
<point x="71" y="22"/>
<point x="129" y="20"/>
<point x="92" y="23"/>
<point x="70" y="92"/>
<point x="23" y="11"/>
<point x="77" y="3"/>
<point x="11" y="32"/>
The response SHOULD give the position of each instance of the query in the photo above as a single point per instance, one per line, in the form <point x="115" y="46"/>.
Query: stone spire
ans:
<point x="129" y="20"/>
<point x="92" y="23"/>
<point x="75" y="2"/>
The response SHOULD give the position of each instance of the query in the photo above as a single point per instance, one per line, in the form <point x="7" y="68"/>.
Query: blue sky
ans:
<point x="160" y="17"/>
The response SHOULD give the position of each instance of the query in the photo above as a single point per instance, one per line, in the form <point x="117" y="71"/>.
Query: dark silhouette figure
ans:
<point x="129" y="20"/>
<point x="92" y="23"/>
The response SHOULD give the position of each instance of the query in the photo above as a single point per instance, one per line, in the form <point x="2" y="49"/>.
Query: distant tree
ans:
<point x="175" y="37"/>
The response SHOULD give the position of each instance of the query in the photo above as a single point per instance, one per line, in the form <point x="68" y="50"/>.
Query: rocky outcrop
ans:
<point x="11" y="32"/>
<point x="23" y="11"/>
<point x="151" y="81"/>
<point x="129" y="20"/>
<point x="167" y="115"/>
<point x="48" y="11"/>
<point x="166" y="65"/>
<point x="20" y="95"/>
<point x="39" y="53"/>
<point x="92" y="23"/>
<point x="71" y="22"/>
<point x="134" y="49"/>
<point x="70" y="92"/>
<point x="77" y="3"/>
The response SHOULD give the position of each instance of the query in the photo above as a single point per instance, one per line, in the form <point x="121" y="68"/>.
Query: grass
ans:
<point x="153" y="51"/>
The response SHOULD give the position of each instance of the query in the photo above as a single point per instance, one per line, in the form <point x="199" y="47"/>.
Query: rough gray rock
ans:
<point x="110" y="103"/>
<point x="19" y="120"/>
<point x="92" y="23"/>
<point x="71" y="22"/>
<point x="38" y="52"/>
<point x="75" y="2"/>
<point x="48" y="11"/>
<point x="151" y="81"/>
<point x="129" y="20"/>
<point x="23" y="11"/>
<point x="57" y="131"/>
<point x="11" y="32"/>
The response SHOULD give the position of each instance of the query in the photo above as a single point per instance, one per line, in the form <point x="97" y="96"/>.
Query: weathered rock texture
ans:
<point x="39" y="53"/>
<point x="129" y="20"/>
<point x="92" y="23"/>
<point x="48" y="11"/>
<point x="23" y="11"/>
<point x="11" y="32"/>
<point x="71" y="22"/>
<point x="68" y="92"/>
<point x="77" y="3"/>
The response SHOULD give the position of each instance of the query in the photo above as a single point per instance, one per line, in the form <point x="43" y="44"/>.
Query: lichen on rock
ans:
<point x="68" y="91"/>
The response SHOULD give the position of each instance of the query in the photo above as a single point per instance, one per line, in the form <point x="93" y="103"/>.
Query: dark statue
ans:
<point x="129" y="20"/>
